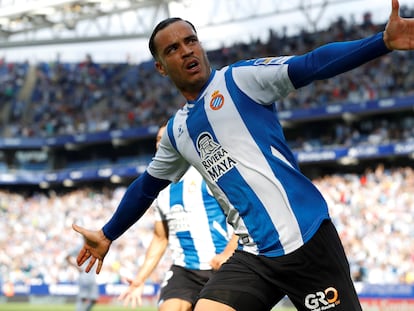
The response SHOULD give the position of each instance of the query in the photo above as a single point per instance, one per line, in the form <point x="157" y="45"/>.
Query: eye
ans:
<point x="171" y="49"/>
<point x="193" y="40"/>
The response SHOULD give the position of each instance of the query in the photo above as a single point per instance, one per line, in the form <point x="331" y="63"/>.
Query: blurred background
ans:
<point x="80" y="105"/>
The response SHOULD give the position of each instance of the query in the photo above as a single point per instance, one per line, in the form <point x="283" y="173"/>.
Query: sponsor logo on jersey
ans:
<point x="217" y="101"/>
<point x="322" y="300"/>
<point x="215" y="159"/>
<point x="178" y="219"/>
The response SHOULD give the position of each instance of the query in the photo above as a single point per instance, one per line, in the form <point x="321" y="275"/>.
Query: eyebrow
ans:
<point x="186" y="39"/>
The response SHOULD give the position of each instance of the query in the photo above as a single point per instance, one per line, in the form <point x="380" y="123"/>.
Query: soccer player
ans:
<point x="88" y="291"/>
<point x="191" y="223"/>
<point x="229" y="132"/>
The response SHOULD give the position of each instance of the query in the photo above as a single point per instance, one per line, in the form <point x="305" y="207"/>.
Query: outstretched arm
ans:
<point x="335" y="58"/>
<point x="156" y="250"/>
<point x="136" y="200"/>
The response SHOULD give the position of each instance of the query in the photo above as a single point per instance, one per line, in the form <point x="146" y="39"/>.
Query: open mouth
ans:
<point x="192" y="64"/>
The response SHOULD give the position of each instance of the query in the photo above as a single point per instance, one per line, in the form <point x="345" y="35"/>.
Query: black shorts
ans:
<point x="314" y="277"/>
<point x="183" y="283"/>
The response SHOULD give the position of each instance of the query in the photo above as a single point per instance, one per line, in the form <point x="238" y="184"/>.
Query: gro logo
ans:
<point x="325" y="300"/>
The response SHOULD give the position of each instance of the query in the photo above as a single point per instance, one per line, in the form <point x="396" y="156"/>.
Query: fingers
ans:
<point x="213" y="264"/>
<point x="82" y="256"/>
<point x="130" y="299"/>
<point x="132" y="296"/>
<point x="217" y="266"/>
<point x="91" y="263"/>
<point x="133" y="302"/>
<point x="100" y="263"/>
<point x="216" y="262"/>
<point x="94" y="248"/>
<point x="123" y="296"/>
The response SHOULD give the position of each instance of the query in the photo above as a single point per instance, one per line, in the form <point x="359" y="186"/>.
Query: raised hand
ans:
<point x="399" y="32"/>
<point x="95" y="247"/>
<point x="133" y="294"/>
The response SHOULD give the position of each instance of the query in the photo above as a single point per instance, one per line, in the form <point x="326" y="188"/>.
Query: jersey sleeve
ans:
<point x="137" y="199"/>
<point x="167" y="163"/>
<point x="264" y="80"/>
<point x="335" y="58"/>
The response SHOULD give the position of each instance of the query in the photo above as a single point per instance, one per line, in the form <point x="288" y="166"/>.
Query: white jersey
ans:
<point x="246" y="163"/>
<point x="197" y="225"/>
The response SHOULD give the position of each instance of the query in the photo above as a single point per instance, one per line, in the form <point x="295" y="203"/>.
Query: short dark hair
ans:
<point x="161" y="25"/>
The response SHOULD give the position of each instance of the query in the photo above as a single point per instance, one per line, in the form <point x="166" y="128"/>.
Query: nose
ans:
<point x="187" y="50"/>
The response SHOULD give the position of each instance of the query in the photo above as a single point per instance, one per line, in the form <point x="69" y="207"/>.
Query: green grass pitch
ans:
<point x="71" y="307"/>
<point x="65" y="307"/>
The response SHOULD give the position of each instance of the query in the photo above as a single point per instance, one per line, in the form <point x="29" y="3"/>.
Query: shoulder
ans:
<point x="263" y="61"/>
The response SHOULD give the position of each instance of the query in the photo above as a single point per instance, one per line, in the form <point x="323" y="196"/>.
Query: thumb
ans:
<point x="77" y="228"/>
<point x="395" y="8"/>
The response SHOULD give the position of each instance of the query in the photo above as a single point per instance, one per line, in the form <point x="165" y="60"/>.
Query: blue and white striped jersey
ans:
<point x="247" y="164"/>
<point x="197" y="226"/>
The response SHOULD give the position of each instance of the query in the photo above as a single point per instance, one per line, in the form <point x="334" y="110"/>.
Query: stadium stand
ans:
<point x="78" y="125"/>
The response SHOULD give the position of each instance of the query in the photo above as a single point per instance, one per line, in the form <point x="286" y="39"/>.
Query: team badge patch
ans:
<point x="217" y="101"/>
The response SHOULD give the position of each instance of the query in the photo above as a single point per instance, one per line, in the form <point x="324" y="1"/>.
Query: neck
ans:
<point x="192" y="91"/>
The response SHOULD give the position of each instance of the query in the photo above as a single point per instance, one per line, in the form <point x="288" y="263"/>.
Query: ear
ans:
<point x="160" y="68"/>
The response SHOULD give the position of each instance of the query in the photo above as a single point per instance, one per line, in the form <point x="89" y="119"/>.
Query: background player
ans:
<point x="189" y="221"/>
<point x="88" y="287"/>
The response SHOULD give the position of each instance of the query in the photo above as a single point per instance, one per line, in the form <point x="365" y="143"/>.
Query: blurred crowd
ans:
<point x="36" y="235"/>
<point x="373" y="213"/>
<point x="55" y="98"/>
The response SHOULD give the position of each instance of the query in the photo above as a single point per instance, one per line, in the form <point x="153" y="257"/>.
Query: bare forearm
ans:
<point x="152" y="258"/>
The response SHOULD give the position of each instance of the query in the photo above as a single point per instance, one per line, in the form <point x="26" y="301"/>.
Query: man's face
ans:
<point x="182" y="58"/>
